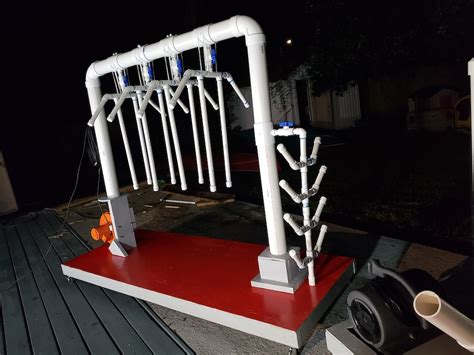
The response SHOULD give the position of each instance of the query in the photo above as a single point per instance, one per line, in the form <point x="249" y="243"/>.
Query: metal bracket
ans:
<point x="123" y="224"/>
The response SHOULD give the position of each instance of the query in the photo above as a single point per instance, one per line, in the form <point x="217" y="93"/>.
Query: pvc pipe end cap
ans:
<point x="323" y="168"/>
<point x="213" y="189"/>
<point x="171" y="106"/>
<point x="136" y="187"/>
<point x="292" y="253"/>
<point x="246" y="105"/>
<point x="280" y="147"/>
<point x="149" y="182"/>
<point x="90" y="124"/>
<point x="287" y="217"/>
<point x="324" y="228"/>
<point x="283" y="183"/>
<point x="110" y="118"/>
<point x="184" y="187"/>
<point x="216" y="108"/>
<point x="186" y="110"/>
<point x="156" y="188"/>
<point x="201" y="181"/>
<point x="323" y="199"/>
<point x="317" y="140"/>
<point x="228" y="184"/>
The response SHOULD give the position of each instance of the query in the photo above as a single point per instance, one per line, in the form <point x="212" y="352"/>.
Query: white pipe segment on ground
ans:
<point x="236" y="26"/>
<point x="166" y="135"/>
<point x="442" y="315"/>
<point x="207" y="136"/>
<point x="128" y="152"/>
<point x="174" y="134"/>
<point x="197" y="148"/>
<point x="149" y="147"/>
<point x="225" y="143"/>
<point x="142" y="142"/>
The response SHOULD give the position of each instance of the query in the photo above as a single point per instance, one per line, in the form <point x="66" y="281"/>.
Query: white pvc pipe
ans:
<point x="207" y="137"/>
<point x="319" y="210"/>
<point x="174" y="134"/>
<point x="211" y="100"/>
<point x="237" y="90"/>
<point x="149" y="147"/>
<point x="322" y="234"/>
<point x="255" y="40"/>
<point x="144" y="102"/>
<point x="296" y="258"/>
<point x="197" y="148"/>
<point x="98" y="110"/>
<point x="314" y="152"/>
<point x="286" y="154"/>
<point x="289" y="190"/>
<point x="180" y="103"/>
<point x="119" y="103"/>
<point x="225" y="143"/>
<point x="142" y="141"/>
<point x="442" y="315"/>
<point x="322" y="170"/>
<point x="128" y="152"/>
<point x="155" y="106"/>
<point x="289" y="219"/>
<point x="166" y="135"/>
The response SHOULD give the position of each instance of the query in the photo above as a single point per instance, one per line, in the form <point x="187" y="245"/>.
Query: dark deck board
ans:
<point x="133" y="311"/>
<point x="43" y="313"/>
<point x="94" y="334"/>
<point x="122" y="333"/>
<point x="42" y="337"/>
<point x="15" y="331"/>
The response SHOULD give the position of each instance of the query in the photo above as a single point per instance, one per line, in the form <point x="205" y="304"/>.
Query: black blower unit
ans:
<point x="382" y="311"/>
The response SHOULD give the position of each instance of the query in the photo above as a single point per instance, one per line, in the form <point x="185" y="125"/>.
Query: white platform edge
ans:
<point x="295" y="339"/>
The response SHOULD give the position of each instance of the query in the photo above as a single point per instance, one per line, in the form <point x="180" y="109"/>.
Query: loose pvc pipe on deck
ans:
<point x="174" y="134"/>
<point x="255" y="40"/>
<point x="142" y="142"/>
<point x="149" y="147"/>
<point x="225" y="143"/>
<point x="166" y="135"/>
<point x="197" y="148"/>
<point x="207" y="137"/>
<point x="128" y="152"/>
<point x="442" y="315"/>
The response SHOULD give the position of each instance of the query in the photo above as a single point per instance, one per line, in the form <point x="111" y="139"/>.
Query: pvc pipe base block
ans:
<point x="211" y="279"/>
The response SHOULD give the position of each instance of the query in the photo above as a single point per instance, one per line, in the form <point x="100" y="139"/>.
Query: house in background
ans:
<point x="293" y="100"/>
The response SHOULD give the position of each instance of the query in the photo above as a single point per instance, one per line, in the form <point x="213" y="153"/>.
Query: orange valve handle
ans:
<point x="104" y="231"/>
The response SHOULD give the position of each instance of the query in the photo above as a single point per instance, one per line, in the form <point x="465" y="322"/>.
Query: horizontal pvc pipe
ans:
<point x="142" y="142"/>
<point x="322" y="234"/>
<point x="128" y="152"/>
<point x="166" y="135"/>
<point x="285" y="186"/>
<point x="289" y="219"/>
<point x="197" y="148"/>
<point x="225" y="142"/>
<point x="174" y="134"/>
<point x="442" y="315"/>
<point x="319" y="209"/>
<point x="283" y="151"/>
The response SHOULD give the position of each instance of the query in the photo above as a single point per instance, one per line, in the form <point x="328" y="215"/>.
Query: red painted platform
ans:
<point x="210" y="278"/>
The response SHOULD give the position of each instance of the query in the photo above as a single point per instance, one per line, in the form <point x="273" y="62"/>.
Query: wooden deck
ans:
<point x="44" y="313"/>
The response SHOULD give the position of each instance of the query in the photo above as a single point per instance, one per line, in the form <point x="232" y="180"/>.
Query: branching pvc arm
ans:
<point x="180" y="103"/>
<point x="238" y="92"/>
<point x="294" y="196"/>
<point x="120" y="102"/>
<point x="99" y="108"/>
<point x="322" y="234"/>
<point x="319" y="210"/>
<point x="289" y="219"/>
<point x="283" y="151"/>
<point x="314" y="153"/>
<point x="319" y="178"/>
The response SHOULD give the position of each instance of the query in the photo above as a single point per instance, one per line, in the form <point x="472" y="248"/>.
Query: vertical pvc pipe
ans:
<point x="166" y="135"/>
<point x="128" y="152"/>
<point x="149" y="148"/>
<point x="174" y="134"/>
<point x="225" y="143"/>
<point x="103" y="140"/>
<point x="142" y="141"/>
<point x="207" y="137"/>
<point x="197" y="148"/>
<point x="265" y="143"/>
